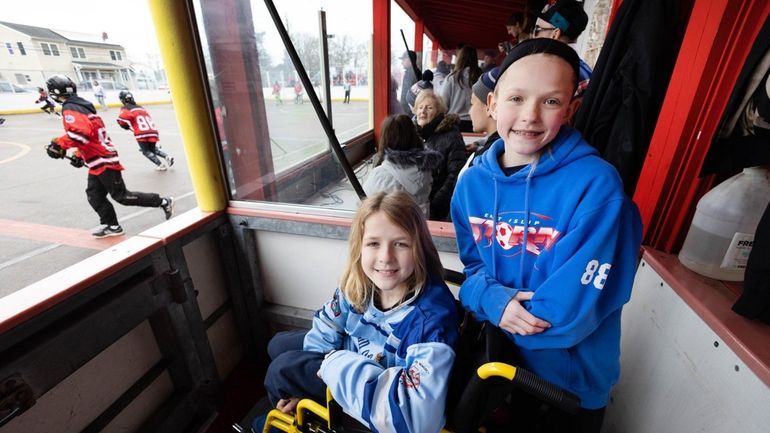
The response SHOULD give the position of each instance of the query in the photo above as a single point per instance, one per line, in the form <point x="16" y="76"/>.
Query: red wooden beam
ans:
<point x="381" y="80"/>
<point x="717" y="41"/>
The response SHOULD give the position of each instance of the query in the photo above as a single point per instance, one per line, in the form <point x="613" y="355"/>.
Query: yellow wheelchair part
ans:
<point x="312" y="417"/>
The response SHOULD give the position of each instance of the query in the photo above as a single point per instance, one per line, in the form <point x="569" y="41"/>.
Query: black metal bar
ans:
<point x="413" y="61"/>
<point x="319" y="111"/>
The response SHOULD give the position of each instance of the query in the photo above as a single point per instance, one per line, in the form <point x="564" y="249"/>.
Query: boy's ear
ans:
<point x="573" y="106"/>
<point x="492" y="105"/>
<point x="556" y="34"/>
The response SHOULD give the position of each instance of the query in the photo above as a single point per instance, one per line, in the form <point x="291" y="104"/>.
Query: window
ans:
<point x="21" y="48"/>
<point x="77" y="53"/>
<point x="20" y="78"/>
<point x="50" y="49"/>
<point x="29" y="79"/>
<point x="10" y="48"/>
<point x="115" y="55"/>
<point x="272" y="121"/>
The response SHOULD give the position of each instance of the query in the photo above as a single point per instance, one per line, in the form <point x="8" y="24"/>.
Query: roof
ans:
<point x="479" y="23"/>
<point x="59" y="35"/>
<point x="100" y="65"/>
<point x="35" y="32"/>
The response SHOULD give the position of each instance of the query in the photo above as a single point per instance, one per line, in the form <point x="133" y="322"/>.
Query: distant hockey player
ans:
<point x="48" y="105"/>
<point x="135" y="117"/>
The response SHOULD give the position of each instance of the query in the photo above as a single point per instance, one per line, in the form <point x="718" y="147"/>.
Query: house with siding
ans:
<point x="30" y="54"/>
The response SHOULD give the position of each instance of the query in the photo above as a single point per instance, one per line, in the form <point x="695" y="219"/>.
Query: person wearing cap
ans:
<point x="425" y="83"/>
<point x="481" y="116"/>
<point x="408" y="59"/>
<point x="565" y="20"/>
<point x="548" y="238"/>
<point x="457" y="87"/>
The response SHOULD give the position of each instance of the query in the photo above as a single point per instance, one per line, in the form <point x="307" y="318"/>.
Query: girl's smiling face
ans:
<point x="532" y="100"/>
<point x="387" y="258"/>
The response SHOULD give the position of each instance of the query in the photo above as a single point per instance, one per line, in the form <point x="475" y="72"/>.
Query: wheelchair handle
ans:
<point x="532" y="384"/>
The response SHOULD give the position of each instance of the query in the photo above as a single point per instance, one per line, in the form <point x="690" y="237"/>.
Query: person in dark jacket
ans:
<point x="441" y="132"/>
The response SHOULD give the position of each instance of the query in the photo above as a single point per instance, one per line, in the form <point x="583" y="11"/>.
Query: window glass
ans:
<point x="46" y="49"/>
<point x="21" y="48"/>
<point x="55" y="49"/>
<point x="9" y="47"/>
<point x="400" y="66"/>
<point x="273" y="144"/>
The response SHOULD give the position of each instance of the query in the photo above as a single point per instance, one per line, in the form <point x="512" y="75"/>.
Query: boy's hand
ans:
<point x="287" y="405"/>
<point x="517" y="320"/>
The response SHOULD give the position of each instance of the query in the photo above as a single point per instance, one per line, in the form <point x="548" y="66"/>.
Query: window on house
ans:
<point x="115" y="55"/>
<point x="29" y="79"/>
<point x="77" y="53"/>
<point x="10" y="48"/>
<point x="55" y="49"/>
<point x="21" y="48"/>
<point x="46" y="49"/>
<point x="20" y="79"/>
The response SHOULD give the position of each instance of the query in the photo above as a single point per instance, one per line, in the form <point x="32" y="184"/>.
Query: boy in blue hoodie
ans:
<point x="548" y="238"/>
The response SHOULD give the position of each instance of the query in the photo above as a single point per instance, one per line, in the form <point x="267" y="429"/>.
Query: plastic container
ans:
<point x="722" y="231"/>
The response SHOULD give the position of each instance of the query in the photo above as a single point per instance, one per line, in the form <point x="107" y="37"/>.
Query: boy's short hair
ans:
<point x="543" y="46"/>
<point x="515" y="18"/>
<point x="486" y="84"/>
<point x="566" y="15"/>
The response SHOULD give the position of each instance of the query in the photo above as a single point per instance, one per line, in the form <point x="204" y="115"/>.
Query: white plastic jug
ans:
<point x="722" y="231"/>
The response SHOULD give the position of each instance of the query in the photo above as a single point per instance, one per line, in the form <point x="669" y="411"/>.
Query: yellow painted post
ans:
<point x="180" y="60"/>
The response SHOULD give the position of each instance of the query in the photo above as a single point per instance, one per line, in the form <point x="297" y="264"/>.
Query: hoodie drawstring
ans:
<point x="526" y="226"/>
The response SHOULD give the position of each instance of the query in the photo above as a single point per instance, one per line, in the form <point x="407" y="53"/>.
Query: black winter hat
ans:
<point x="566" y="15"/>
<point x="542" y="46"/>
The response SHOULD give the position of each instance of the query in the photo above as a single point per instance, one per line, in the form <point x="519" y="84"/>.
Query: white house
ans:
<point x="29" y="55"/>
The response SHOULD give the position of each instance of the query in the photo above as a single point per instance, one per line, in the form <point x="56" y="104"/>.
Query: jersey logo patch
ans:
<point x="335" y="305"/>
<point x="69" y="118"/>
<point x="509" y="233"/>
<point x="410" y="379"/>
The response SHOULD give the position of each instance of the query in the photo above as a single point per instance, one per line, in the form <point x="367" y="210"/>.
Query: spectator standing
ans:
<point x="481" y="115"/>
<point x="441" y="132"/>
<point x="425" y="83"/>
<point x="99" y="94"/>
<point x="408" y="60"/>
<point x="346" y="88"/>
<point x="549" y="240"/>
<point x="439" y="76"/>
<point x="135" y="117"/>
<point x="456" y="91"/>
<point x="84" y="131"/>
<point x="565" y="20"/>
<point x="404" y="164"/>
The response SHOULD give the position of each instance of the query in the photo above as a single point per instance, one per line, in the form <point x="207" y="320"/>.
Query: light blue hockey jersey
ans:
<point x="391" y="369"/>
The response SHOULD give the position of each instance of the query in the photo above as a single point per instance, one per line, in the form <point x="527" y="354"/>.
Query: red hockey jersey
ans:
<point x="84" y="130"/>
<point x="136" y="117"/>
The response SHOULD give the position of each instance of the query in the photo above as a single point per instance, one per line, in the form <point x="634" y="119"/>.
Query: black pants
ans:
<point x="347" y="97"/>
<point x="293" y="371"/>
<point x="151" y="151"/>
<point x="111" y="182"/>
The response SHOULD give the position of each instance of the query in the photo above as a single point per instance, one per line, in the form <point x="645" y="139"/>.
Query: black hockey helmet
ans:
<point x="126" y="97"/>
<point x="60" y="85"/>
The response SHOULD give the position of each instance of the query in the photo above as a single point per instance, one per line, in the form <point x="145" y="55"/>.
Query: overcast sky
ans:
<point x="129" y="23"/>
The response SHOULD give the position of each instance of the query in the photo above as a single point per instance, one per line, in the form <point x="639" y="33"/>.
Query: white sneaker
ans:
<point x="169" y="160"/>
<point x="161" y="167"/>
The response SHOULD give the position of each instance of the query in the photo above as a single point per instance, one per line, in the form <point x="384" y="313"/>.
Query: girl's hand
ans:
<point x="287" y="405"/>
<point x="516" y="319"/>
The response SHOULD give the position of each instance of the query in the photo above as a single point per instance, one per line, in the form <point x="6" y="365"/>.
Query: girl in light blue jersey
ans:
<point x="383" y="344"/>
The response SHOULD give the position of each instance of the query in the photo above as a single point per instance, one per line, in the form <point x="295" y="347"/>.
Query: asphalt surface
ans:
<point x="45" y="219"/>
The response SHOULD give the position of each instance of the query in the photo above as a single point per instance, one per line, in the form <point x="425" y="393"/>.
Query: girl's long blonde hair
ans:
<point x="401" y="210"/>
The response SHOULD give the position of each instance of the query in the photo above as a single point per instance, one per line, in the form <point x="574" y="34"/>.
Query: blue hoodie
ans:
<point x="582" y="237"/>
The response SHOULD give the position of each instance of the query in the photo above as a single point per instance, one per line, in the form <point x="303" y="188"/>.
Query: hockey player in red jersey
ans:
<point x="133" y="116"/>
<point x="84" y="131"/>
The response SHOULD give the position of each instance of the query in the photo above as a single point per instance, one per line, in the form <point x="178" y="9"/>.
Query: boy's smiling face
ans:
<point x="532" y="99"/>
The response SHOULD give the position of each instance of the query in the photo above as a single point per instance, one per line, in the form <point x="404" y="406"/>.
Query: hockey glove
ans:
<point x="54" y="150"/>
<point x="76" y="161"/>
